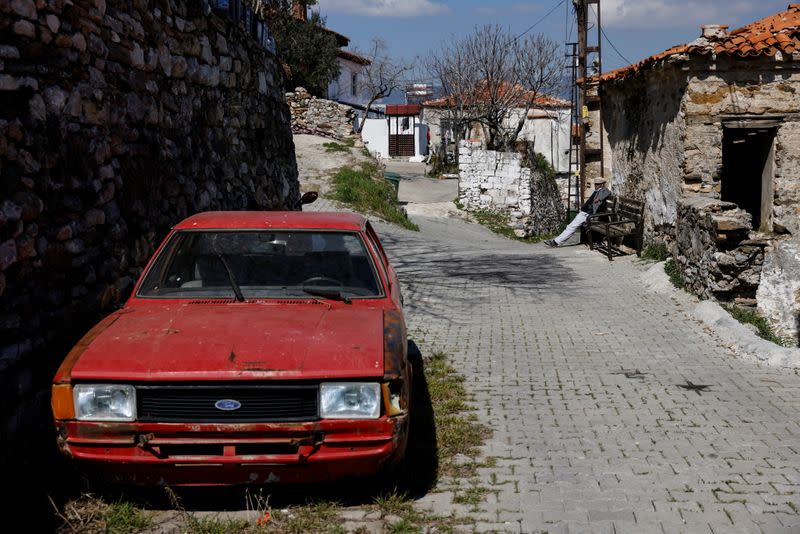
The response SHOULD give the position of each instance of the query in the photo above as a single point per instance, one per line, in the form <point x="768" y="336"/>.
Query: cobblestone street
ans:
<point x="576" y="367"/>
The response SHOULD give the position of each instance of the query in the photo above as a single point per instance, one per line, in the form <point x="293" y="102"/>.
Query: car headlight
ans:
<point x="104" y="402"/>
<point x="350" y="401"/>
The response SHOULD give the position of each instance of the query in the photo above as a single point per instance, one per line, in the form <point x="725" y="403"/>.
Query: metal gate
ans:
<point x="401" y="145"/>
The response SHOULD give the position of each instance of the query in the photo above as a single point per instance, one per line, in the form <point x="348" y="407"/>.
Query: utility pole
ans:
<point x="589" y="64"/>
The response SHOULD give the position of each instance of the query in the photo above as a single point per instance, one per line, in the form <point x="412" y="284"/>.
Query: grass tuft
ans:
<point x="364" y="190"/>
<point x="497" y="222"/>
<point x="456" y="432"/>
<point x="344" y="146"/>
<point x="750" y="316"/>
<point x="92" y="515"/>
<point x="656" y="252"/>
<point x="674" y="273"/>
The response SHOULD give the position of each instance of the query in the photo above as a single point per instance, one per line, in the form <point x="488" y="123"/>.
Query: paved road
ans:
<point x="576" y="367"/>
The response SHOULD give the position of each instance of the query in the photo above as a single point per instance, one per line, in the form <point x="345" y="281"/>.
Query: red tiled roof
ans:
<point x="525" y="97"/>
<point x="766" y="37"/>
<point x="355" y="58"/>
<point x="402" y="110"/>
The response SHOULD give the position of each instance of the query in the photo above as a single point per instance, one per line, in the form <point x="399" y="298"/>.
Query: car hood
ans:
<point x="237" y="341"/>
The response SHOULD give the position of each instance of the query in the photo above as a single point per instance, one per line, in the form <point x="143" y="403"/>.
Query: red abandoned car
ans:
<point x="256" y="347"/>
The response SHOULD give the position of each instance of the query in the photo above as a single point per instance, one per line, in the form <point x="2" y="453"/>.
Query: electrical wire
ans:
<point x="605" y="36"/>
<point x="518" y="37"/>
<point x="626" y="60"/>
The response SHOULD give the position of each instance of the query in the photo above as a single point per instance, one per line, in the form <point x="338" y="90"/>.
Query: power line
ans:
<point x="559" y="4"/>
<point x="603" y="32"/>
<point x="626" y="60"/>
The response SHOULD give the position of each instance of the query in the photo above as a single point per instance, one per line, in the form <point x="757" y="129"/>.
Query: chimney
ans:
<point x="299" y="10"/>
<point x="714" y="31"/>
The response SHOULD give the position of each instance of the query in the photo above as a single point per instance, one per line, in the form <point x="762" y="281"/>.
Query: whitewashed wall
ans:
<point x="376" y="137"/>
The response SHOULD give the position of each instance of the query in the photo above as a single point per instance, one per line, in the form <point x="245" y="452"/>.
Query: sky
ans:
<point x="637" y="28"/>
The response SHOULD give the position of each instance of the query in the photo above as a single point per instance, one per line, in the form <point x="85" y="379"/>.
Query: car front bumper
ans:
<point x="227" y="454"/>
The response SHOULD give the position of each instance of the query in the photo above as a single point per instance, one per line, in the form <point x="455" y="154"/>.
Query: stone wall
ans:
<point x="319" y="116"/>
<point x="665" y="131"/>
<point x="118" y="119"/>
<point x="715" y="251"/>
<point x="756" y="88"/>
<point x="779" y="291"/>
<point x="645" y="137"/>
<point x="498" y="181"/>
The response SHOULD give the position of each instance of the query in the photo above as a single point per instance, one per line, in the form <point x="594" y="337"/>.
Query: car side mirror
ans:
<point x="309" y="197"/>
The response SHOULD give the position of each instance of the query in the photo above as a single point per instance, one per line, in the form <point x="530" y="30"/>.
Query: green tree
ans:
<point x="305" y="47"/>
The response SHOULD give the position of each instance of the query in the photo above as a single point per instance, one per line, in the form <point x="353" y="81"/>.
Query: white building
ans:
<point x="547" y="126"/>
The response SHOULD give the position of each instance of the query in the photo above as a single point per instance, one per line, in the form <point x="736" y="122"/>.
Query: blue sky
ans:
<point x="638" y="28"/>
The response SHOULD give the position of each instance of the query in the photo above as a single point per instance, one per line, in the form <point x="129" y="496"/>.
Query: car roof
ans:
<point x="276" y="220"/>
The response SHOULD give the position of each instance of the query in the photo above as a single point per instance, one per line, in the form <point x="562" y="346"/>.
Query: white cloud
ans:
<point x="650" y="14"/>
<point x="384" y="8"/>
<point x="526" y="8"/>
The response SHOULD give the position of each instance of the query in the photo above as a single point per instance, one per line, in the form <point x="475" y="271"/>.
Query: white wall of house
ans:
<point x="420" y="140"/>
<point x="548" y="130"/>
<point x="376" y="137"/>
<point x="347" y="87"/>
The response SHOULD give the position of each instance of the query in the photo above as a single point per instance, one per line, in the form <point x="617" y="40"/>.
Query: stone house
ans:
<point x="708" y="135"/>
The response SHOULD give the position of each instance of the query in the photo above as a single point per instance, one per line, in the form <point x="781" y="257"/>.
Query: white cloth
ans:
<point x="576" y="223"/>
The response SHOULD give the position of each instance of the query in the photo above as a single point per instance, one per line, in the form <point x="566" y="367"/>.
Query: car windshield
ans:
<point x="262" y="264"/>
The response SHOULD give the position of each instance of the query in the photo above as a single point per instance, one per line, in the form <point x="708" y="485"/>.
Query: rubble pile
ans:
<point x="717" y="251"/>
<point x="318" y="116"/>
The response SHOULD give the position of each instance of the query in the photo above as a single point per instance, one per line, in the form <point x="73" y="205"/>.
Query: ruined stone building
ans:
<point x="708" y="134"/>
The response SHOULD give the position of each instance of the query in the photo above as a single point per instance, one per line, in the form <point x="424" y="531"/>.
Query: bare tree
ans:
<point x="494" y="79"/>
<point x="381" y="77"/>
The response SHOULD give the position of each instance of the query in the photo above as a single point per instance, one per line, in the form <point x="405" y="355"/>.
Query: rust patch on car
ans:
<point x="395" y="345"/>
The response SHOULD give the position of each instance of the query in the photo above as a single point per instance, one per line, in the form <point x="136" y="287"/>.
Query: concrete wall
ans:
<point x="118" y="119"/>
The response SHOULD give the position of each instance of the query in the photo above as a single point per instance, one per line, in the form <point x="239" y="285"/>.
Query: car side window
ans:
<point x="376" y="244"/>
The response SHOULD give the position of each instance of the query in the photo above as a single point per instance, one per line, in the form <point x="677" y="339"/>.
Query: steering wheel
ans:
<point x="314" y="280"/>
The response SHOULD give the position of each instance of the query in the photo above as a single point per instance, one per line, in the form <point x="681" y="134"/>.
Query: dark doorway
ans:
<point x="747" y="171"/>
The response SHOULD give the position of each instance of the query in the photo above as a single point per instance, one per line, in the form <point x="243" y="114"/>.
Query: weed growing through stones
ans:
<point x="655" y="252"/>
<point x="364" y="190"/>
<point x="674" y="273"/>
<point x="750" y="316"/>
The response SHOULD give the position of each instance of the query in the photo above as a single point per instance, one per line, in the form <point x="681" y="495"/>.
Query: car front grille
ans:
<point x="198" y="404"/>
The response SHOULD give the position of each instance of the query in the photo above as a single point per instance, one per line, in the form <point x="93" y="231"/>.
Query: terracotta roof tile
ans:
<point x="524" y="98"/>
<point x="765" y="37"/>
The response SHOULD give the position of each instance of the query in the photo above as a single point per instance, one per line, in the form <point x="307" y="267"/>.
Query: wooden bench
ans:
<point x="624" y="218"/>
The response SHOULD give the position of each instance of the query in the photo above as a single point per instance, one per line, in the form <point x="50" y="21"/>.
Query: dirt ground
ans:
<point x="315" y="165"/>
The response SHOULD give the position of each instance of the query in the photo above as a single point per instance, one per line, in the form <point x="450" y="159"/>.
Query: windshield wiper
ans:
<point x="331" y="294"/>
<point x="234" y="284"/>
